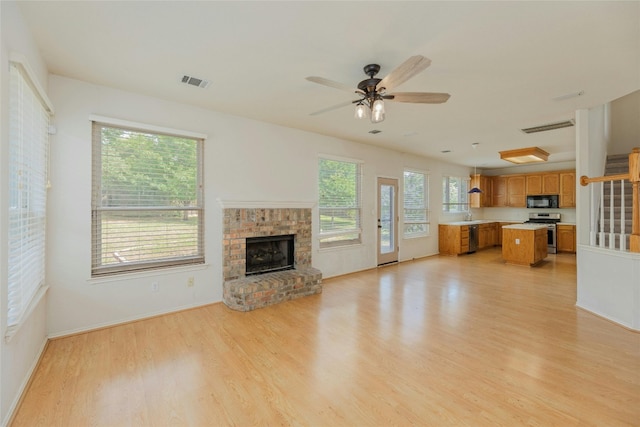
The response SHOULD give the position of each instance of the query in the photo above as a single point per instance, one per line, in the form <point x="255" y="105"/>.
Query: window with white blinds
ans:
<point x="454" y="194"/>
<point x="28" y="151"/>
<point x="340" y="202"/>
<point x="416" y="204"/>
<point x="147" y="204"/>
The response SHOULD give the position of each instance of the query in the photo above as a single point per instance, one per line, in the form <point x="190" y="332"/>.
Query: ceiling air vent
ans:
<point x="194" y="81"/>
<point x="374" y="131"/>
<point x="550" y="126"/>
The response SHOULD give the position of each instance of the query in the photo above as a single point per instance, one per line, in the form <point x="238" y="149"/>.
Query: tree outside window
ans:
<point x="455" y="197"/>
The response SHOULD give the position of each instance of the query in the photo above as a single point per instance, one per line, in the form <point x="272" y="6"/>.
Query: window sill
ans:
<point x="340" y="247"/>
<point x="150" y="273"/>
<point x="416" y="236"/>
<point x="13" y="329"/>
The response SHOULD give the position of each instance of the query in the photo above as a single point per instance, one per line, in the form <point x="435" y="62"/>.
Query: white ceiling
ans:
<point x="502" y="62"/>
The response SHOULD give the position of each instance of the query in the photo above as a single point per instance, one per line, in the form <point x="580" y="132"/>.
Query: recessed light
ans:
<point x="374" y="131"/>
<point x="445" y="151"/>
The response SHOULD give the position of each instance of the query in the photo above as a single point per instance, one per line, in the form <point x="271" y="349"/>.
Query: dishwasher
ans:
<point x="473" y="238"/>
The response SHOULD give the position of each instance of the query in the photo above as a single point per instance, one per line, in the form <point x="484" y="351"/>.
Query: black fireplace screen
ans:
<point x="267" y="254"/>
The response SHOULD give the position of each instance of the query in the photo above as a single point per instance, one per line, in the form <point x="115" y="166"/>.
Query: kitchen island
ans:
<point x="524" y="244"/>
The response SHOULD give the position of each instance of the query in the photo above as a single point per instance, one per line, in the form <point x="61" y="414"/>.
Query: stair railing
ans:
<point x="634" y="177"/>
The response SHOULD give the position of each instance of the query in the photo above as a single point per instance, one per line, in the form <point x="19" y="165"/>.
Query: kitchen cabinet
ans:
<point x="509" y="190"/>
<point x="487" y="234"/>
<point x="546" y="183"/>
<point x="499" y="195"/>
<point x="524" y="244"/>
<point x="453" y="239"/>
<point x="484" y="183"/>
<point x="566" y="238"/>
<point x="516" y="191"/>
<point x="567" y="190"/>
<point x="512" y="190"/>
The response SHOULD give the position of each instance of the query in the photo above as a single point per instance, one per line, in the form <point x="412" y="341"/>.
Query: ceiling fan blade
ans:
<point x="404" y="72"/>
<point x="331" y="83"/>
<point x="333" y="107"/>
<point x="420" y="97"/>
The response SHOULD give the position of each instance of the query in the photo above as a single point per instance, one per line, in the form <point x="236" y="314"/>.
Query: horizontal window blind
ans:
<point x="416" y="209"/>
<point x="454" y="194"/>
<point x="147" y="204"/>
<point x="339" y="204"/>
<point x="28" y="151"/>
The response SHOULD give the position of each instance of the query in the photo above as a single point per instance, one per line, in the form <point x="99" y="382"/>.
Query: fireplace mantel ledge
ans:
<point x="247" y="204"/>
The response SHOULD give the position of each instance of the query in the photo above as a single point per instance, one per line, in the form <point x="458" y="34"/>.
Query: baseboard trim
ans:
<point x="24" y="387"/>
<point x="628" y="328"/>
<point x="107" y="325"/>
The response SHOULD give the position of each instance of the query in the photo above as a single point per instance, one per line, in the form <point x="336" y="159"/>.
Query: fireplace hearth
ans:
<point x="268" y="254"/>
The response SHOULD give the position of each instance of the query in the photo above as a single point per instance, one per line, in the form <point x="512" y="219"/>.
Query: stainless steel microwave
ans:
<point x="543" y="201"/>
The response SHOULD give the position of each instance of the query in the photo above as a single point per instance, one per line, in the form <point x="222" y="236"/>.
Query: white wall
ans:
<point x="625" y="123"/>
<point x="608" y="282"/>
<point x="19" y="355"/>
<point x="245" y="161"/>
<point x="609" y="285"/>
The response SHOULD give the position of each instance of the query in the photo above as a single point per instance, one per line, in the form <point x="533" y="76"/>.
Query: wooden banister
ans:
<point x="634" y="177"/>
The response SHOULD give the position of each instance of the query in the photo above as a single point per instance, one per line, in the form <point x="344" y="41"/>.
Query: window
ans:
<point x="28" y="150"/>
<point x="147" y="207"/>
<point x="454" y="194"/>
<point x="339" y="205"/>
<point x="416" y="204"/>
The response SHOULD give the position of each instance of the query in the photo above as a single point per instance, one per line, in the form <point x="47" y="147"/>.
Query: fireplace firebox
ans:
<point x="268" y="254"/>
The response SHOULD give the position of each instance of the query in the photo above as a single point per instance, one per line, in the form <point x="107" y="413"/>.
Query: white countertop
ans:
<point x="481" y="221"/>
<point x="529" y="226"/>
<point x="474" y="222"/>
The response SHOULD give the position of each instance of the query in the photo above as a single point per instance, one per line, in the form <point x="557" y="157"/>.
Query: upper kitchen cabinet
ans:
<point x="485" y="184"/>
<point x="516" y="191"/>
<point x="509" y="190"/>
<point x="567" y="189"/>
<point x="547" y="183"/>
<point x="499" y="196"/>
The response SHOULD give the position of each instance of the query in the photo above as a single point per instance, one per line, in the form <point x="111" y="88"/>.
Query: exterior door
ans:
<point x="387" y="220"/>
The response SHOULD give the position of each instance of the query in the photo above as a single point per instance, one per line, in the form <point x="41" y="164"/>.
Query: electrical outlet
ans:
<point x="155" y="287"/>
<point x="190" y="282"/>
<point x="517" y="241"/>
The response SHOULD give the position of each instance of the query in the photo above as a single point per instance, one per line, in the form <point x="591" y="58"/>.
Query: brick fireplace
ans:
<point x="245" y="293"/>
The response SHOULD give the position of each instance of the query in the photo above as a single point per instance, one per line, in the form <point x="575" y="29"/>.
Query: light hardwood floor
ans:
<point x="442" y="341"/>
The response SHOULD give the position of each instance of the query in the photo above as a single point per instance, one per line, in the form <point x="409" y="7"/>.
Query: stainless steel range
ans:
<point x="550" y="219"/>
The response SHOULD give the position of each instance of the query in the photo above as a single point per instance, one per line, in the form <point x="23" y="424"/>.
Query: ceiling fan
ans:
<point x="373" y="91"/>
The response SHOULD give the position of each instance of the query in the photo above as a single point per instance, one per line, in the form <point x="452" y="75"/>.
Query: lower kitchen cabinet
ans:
<point x="566" y="238"/>
<point x="487" y="235"/>
<point x="453" y="239"/>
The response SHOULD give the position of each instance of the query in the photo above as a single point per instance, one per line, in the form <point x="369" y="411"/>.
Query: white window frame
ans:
<point x="98" y="268"/>
<point x="339" y="238"/>
<point x="447" y="205"/>
<point x="408" y="221"/>
<point x="29" y="115"/>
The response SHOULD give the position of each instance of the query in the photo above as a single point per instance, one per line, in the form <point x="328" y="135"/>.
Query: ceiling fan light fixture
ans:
<point x="525" y="155"/>
<point x="377" y="116"/>
<point x="361" y="111"/>
<point x="377" y="111"/>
